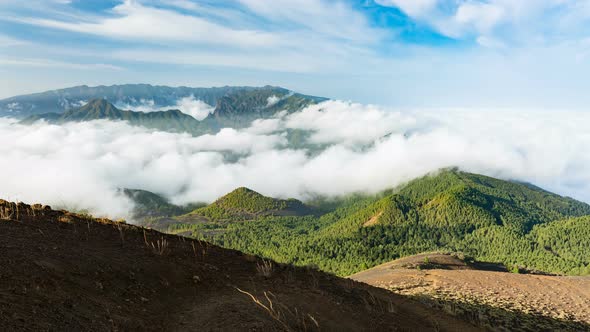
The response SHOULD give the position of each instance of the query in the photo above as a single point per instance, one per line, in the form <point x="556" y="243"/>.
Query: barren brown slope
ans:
<point x="66" y="272"/>
<point x="488" y="298"/>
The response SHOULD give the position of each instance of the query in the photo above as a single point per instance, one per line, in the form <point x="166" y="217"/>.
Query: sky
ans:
<point x="526" y="54"/>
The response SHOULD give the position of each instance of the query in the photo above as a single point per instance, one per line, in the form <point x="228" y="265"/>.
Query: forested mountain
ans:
<point x="228" y="101"/>
<point x="246" y="204"/>
<point x="466" y="201"/>
<point x="485" y="218"/>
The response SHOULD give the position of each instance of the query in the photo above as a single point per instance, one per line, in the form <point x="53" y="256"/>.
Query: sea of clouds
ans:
<point x="370" y="148"/>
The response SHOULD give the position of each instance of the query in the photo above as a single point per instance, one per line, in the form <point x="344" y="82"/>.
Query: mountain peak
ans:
<point x="245" y="204"/>
<point x="248" y="199"/>
<point x="243" y="191"/>
<point x="98" y="108"/>
<point x="98" y="103"/>
<point x="452" y="197"/>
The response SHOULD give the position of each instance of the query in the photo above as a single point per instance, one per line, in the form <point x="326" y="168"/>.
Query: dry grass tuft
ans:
<point x="373" y="303"/>
<point x="160" y="247"/>
<point x="203" y="252"/>
<point x="290" y="319"/>
<point x="5" y="214"/>
<point x="265" y="268"/>
<point x="121" y="233"/>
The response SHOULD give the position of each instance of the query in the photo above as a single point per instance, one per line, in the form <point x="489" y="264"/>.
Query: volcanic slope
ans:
<point x="63" y="271"/>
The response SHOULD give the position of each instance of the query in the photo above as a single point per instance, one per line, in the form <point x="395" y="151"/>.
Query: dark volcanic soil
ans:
<point x="66" y="272"/>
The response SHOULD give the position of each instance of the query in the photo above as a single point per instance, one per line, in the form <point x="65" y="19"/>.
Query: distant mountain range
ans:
<point x="235" y="107"/>
<point x="230" y="103"/>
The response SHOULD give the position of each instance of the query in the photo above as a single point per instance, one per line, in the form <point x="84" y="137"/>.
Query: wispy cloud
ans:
<point x="6" y="41"/>
<point x="132" y="20"/>
<point x="280" y="61"/>
<point x="330" y="18"/>
<point x="56" y="64"/>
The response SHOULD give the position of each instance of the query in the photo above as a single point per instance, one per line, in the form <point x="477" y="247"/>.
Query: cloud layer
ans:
<point x="369" y="149"/>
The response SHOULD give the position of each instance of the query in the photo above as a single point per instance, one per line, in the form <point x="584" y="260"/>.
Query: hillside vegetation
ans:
<point x="488" y="219"/>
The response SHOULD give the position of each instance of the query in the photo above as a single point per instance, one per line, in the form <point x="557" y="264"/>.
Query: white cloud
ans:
<point x="490" y="42"/>
<point x="82" y="164"/>
<point x="525" y="20"/>
<point x="143" y="105"/>
<point x="418" y="8"/>
<point x="333" y="18"/>
<point x="265" y="126"/>
<point x="24" y="62"/>
<point x="6" y="41"/>
<point x="282" y="61"/>
<point x="132" y="20"/>
<point x="346" y="123"/>
<point x="482" y="16"/>
<point x="457" y="19"/>
<point x="196" y="108"/>
<point x="272" y="100"/>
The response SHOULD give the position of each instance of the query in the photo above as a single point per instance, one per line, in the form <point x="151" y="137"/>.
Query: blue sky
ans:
<point x="405" y="53"/>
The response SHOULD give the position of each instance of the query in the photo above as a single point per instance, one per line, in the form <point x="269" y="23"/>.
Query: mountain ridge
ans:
<point x="234" y="108"/>
<point x="131" y="95"/>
